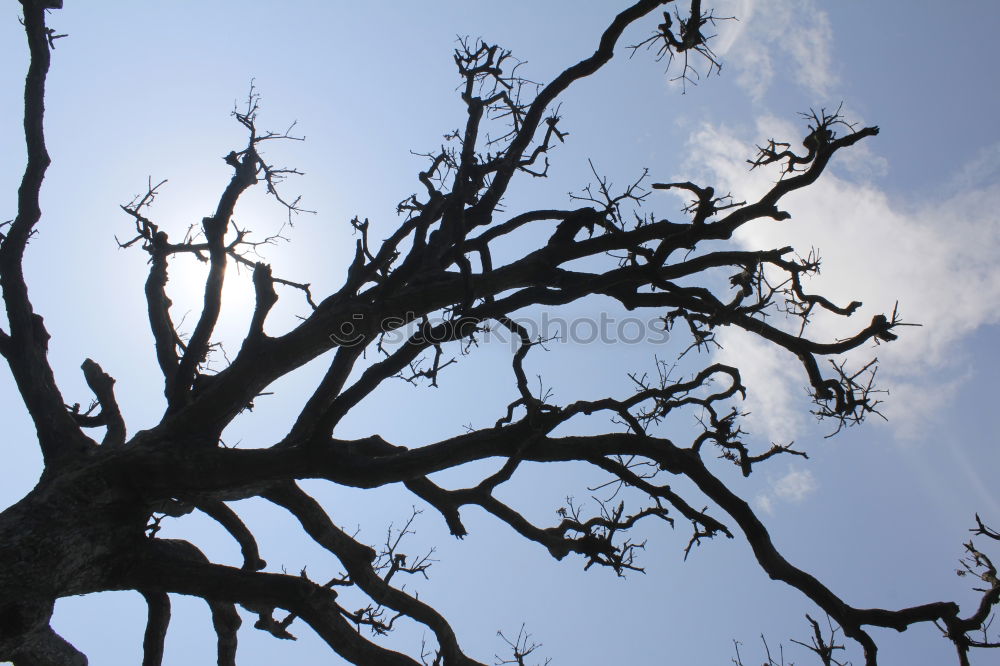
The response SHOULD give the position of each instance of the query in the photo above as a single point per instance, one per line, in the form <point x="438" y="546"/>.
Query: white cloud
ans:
<point x="764" y="503"/>
<point x="765" y="32"/>
<point x="938" y="259"/>
<point x="793" y="487"/>
<point x="910" y="405"/>
<point x="979" y="172"/>
<point x="772" y="411"/>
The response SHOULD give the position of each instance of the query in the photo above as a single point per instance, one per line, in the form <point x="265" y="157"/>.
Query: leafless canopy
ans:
<point x="92" y="522"/>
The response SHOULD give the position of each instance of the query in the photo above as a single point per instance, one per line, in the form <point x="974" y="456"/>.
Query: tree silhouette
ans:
<point x="436" y="282"/>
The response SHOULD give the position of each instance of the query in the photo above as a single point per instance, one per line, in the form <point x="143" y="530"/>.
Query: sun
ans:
<point x="186" y="290"/>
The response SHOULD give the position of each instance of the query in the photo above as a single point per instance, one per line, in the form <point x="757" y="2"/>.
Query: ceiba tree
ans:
<point x="91" y="523"/>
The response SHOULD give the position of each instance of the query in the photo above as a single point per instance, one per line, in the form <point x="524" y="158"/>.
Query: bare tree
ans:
<point x="91" y="524"/>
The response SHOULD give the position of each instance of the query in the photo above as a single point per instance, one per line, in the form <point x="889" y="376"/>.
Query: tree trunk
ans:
<point x="72" y="534"/>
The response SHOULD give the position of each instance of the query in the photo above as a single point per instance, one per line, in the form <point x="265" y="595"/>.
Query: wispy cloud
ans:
<point x="793" y="487"/>
<point x="979" y="172"/>
<point x="764" y="502"/>
<point x="796" y="32"/>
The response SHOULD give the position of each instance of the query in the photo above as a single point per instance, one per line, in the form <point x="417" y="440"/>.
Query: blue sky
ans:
<point x="878" y="513"/>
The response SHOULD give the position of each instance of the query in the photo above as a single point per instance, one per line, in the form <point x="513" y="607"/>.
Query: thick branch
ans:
<point x="157" y="621"/>
<point x="239" y="531"/>
<point x="226" y="622"/>
<point x="102" y="384"/>
<point x="323" y="397"/>
<point x="47" y="648"/>
<point x="165" y="336"/>
<point x="164" y="567"/>
<point x="215" y="227"/>
<point x="357" y="559"/>
<point x="26" y="348"/>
